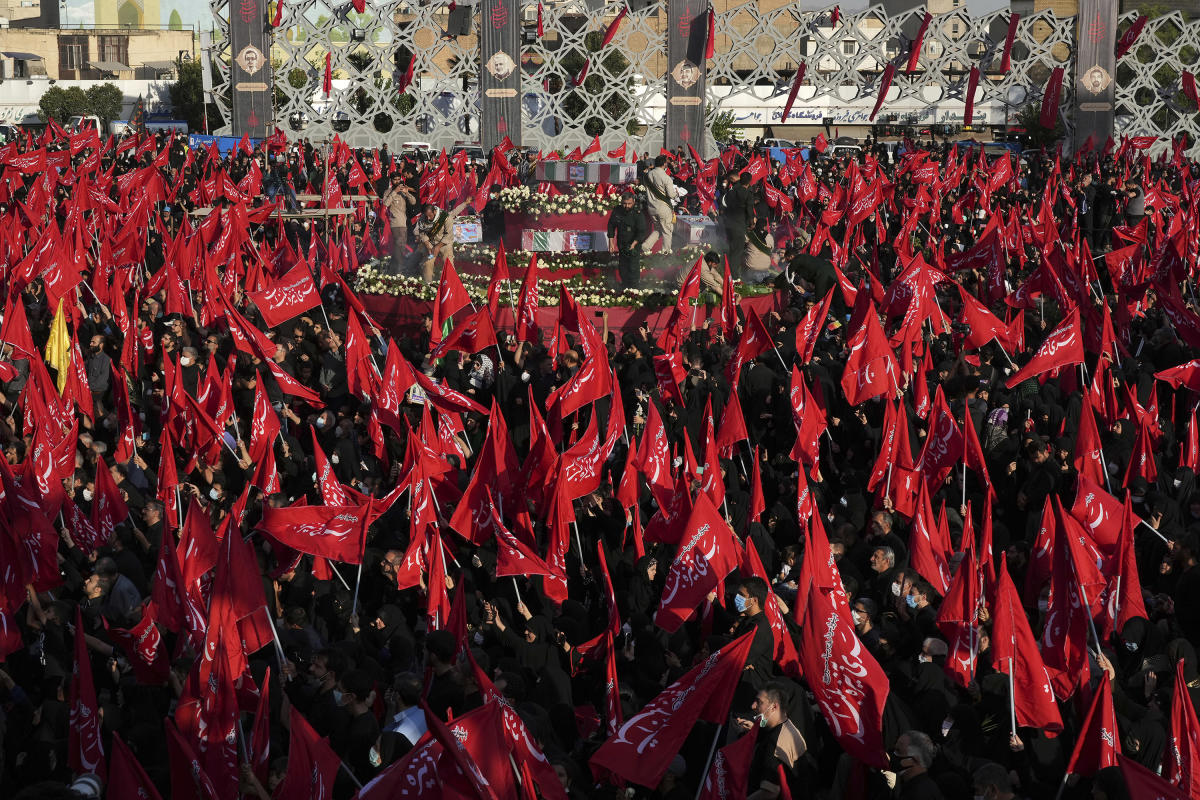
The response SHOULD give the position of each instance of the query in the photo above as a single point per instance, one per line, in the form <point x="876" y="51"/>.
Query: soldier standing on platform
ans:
<point x="435" y="237"/>
<point x="627" y="231"/>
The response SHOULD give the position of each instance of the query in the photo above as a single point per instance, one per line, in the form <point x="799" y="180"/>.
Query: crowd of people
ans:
<point x="253" y="544"/>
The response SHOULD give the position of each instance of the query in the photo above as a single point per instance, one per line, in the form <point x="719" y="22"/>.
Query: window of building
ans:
<point x="954" y="28"/>
<point x="114" y="48"/>
<point x="849" y="47"/>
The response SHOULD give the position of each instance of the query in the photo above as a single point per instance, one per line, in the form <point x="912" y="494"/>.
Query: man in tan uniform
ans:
<point x="396" y="200"/>
<point x="435" y="237"/>
<point x="660" y="190"/>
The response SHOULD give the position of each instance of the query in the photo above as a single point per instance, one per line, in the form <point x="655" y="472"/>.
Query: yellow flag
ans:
<point x="58" y="346"/>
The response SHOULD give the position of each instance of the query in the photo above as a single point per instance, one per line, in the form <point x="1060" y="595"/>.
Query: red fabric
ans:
<point x="1130" y="36"/>
<point x="728" y="776"/>
<point x="312" y="764"/>
<point x="85" y="751"/>
<point x="1181" y="756"/>
<point x="791" y="98"/>
<point x="914" y="53"/>
<point x="126" y="777"/>
<point x="665" y="722"/>
<point x="885" y="83"/>
<point x="1062" y="348"/>
<point x="288" y="297"/>
<point x="1049" y="112"/>
<point x="871" y="368"/>
<point x="958" y="620"/>
<point x="850" y="687"/>
<point x="333" y="532"/>
<point x="708" y="553"/>
<point x="1099" y="742"/>
<point x="1015" y="653"/>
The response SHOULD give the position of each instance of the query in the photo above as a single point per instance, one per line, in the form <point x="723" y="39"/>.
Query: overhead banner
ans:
<point x="687" y="26"/>
<point x="1095" y="68"/>
<point x="500" y="78"/>
<point x="250" y="70"/>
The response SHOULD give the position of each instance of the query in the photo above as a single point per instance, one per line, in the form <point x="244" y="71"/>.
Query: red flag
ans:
<point x="474" y="335"/>
<point x="733" y="427"/>
<point x="1087" y="459"/>
<point x="710" y="40"/>
<point x="85" y="752"/>
<point x="189" y="781"/>
<point x="16" y="331"/>
<point x="407" y="78"/>
<point x="527" y="303"/>
<point x="1144" y="784"/>
<point x="642" y="749"/>
<point x="1063" y="347"/>
<point x="958" y="620"/>
<point x="327" y="82"/>
<point x="1181" y="756"/>
<point x="1098" y="744"/>
<point x="451" y="297"/>
<point x="1142" y="462"/>
<point x="476" y="763"/>
<point x="312" y="764"/>
<point x="929" y="551"/>
<point x="944" y="444"/>
<point x="871" y="369"/>
<point x="1189" y="87"/>
<point x="791" y="98"/>
<point x="610" y="33"/>
<point x="1189" y="454"/>
<point x="755" y="341"/>
<point x="706" y="555"/>
<point x="914" y="53"/>
<point x="1130" y="36"/>
<point x="126" y="777"/>
<point x="834" y="16"/>
<point x="969" y="98"/>
<point x="1010" y="37"/>
<point x="333" y="532"/>
<point x="143" y="646"/>
<point x="277" y="19"/>
<point x="885" y="83"/>
<point x="260" y="734"/>
<point x="514" y="557"/>
<point x="1183" y="375"/>
<point x="1015" y="653"/>
<point x="1049" y="113"/>
<point x="541" y="31"/>
<point x="288" y="297"/>
<point x="728" y="776"/>
<point x="850" y="687"/>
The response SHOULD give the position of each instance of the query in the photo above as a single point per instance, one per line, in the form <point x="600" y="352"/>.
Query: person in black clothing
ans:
<point x="738" y="204"/>
<point x="445" y="689"/>
<point x="627" y="230"/>
<point x="749" y="601"/>
<point x="355" y="742"/>
<point x="910" y="760"/>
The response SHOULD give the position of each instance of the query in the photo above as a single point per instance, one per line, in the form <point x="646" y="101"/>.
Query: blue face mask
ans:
<point x="739" y="603"/>
<point x="911" y="600"/>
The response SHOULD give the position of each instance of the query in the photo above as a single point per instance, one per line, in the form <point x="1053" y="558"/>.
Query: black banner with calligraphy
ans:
<point x="250" y="70"/>
<point x="1095" y="69"/>
<point x="686" y="67"/>
<point x="500" y="75"/>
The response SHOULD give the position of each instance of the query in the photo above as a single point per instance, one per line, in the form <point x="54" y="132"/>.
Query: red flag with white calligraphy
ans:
<point x="707" y="554"/>
<point x="642" y="749"/>
<point x="288" y="297"/>
<point x="85" y="752"/>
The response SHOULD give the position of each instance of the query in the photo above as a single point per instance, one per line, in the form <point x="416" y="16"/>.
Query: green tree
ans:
<point x="1029" y="118"/>
<point x="175" y="23"/>
<point x="187" y="94"/>
<point x="105" y="100"/>
<point x="61" y="104"/>
<point x="723" y="126"/>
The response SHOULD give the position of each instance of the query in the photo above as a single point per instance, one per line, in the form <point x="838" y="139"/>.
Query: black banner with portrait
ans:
<point x="686" y="40"/>
<point x="250" y="70"/>
<point x="500" y="75"/>
<point x="1095" y="66"/>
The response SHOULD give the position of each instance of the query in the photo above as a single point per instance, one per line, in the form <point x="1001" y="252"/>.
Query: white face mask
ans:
<point x="858" y="618"/>
<point x="895" y="589"/>
<point x="924" y="659"/>
<point x="185" y="361"/>
<point x="212" y="493"/>
<point x="87" y="495"/>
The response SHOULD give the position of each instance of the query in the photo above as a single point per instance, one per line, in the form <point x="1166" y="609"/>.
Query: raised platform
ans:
<point x="304" y="213"/>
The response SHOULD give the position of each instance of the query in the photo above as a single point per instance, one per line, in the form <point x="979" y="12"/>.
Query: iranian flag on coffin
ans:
<point x="564" y="241"/>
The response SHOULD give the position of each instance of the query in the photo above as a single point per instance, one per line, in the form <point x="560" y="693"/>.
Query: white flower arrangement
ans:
<point x="582" y="199"/>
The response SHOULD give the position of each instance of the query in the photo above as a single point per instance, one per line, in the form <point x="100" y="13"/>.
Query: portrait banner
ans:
<point x="250" y="70"/>
<point x="500" y="77"/>
<point x="686" y="66"/>
<point x="1095" y="68"/>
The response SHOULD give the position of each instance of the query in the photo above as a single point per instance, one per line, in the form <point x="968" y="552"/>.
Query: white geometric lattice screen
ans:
<point x="756" y="48"/>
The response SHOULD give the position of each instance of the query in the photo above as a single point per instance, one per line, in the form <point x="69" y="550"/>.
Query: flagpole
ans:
<point x="516" y="589"/>
<point x="1012" y="700"/>
<point x="1005" y="352"/>
<point x="339" y="575"/>
<point x="278" y="644"/>
<point x="708" y="761"/>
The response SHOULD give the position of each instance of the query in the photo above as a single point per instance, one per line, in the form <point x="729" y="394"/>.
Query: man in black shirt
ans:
<point x="739" y="209"/>
<point x="627" y="230"/>
<point x="750" y="600"/>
